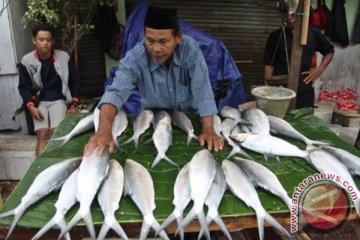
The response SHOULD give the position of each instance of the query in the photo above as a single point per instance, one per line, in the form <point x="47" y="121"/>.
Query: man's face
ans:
<point x="160" y="44"/>
<point x="44" y="43"/>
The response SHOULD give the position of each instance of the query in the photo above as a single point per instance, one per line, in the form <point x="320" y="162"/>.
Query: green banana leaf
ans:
<point x="291" y="171"/>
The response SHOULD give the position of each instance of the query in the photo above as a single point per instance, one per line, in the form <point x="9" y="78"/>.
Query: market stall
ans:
<point x="291" y="171"/>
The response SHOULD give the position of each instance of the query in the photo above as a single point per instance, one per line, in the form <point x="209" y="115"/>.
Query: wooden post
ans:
<point x="76" y="55"/>
<point x="296" y="54"/>
<point x="305" y="22"/>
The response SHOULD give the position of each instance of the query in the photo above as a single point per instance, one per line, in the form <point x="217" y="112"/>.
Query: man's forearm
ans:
<point x="207" y="123"/>
<point x="326" y="60"/>
<point x="107" y="115"/>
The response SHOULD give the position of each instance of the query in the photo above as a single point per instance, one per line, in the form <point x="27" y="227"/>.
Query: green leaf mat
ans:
<point x="291" y="171"/>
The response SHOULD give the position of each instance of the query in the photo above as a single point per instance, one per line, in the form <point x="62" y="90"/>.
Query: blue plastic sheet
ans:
<point x="226" y="80"/>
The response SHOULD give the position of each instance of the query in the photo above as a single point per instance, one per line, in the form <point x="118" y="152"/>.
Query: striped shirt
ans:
<point x="184" y="86"/>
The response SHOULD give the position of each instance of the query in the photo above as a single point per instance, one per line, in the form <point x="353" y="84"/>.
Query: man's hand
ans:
<point x="36" y="113"/>
<point x="209" y="136"/>
<point x="312" y="75"/>
<point x="101" y="139"/>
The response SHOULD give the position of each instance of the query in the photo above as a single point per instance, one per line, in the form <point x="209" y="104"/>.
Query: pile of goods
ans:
<point x="345" y="99"/>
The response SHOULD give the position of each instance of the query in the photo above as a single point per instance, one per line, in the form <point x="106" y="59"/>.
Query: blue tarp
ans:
<point x="224" y="75"/>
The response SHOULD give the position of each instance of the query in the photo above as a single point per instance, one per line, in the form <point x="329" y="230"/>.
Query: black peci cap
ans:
<point x="161" y="18"/>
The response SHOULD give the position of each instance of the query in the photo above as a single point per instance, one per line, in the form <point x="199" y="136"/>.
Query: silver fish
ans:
<point x="226" y="126"/>
<point x="213" y="200"/>
<point x="351" y="161"/>
<point x="258" y="119"/>
<point x="182" y="197"/>
<point x="160" y="115"/>
<point x="109" y="196"/>
<point x="179" y="119"/>
<point x="141" y="124"/>
<point x="263" y="177"/>
<point x="162" y="138"/>
<point x="92" y="171"/>
<point x="202" y="170"/>
<point x="242" y="188"/>
<point x="82" y="126"/>
<point x="281" y="127"/>
<point x="119" y="125"/>
<point x="139" y="186"/>
<point x="96" y="118"/>
<point x="269" y="145"/>
<point x="50" y="179"/>
<point x="234" y="113"/>
<point x="66" y="199"/>
<point x="217" y="125"/>
<point x="324" y="162"/>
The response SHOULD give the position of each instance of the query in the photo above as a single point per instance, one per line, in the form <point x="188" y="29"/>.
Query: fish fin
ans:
<point x="278" y="159"/>
<point x="266" y="157"/>
<point x="103" y="231"/>
<point x="90" y="225"/>
<point x="280" y="229"/>
<point x="72" y="223"/>
<point x="167" y="221"/>
<point x="44" y="229"/>
<point x="222" y="226"/>
<point x="314" y="142"/>
<point x="119" y="230"/>
<point x="232" y="153"/>
<point x="148" y="141"/>
<point x="145" y="227"/>
<point x="128" y="141"/>
<point x="13" y="223"/>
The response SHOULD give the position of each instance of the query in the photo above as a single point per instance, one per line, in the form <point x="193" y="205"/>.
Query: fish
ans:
<point x="179" y="119"/>
<point x="351" y="161"/>
<point x="226" y="126"/>
<point x="217" y="125"/>
<point x="140" y="187"/>
<point x="66" y="199"/>
<point x="92" y="171"/>
<point x="96" y="118"/>
<point x="48" y="180"/>
<point x="160" y="115"/>
<point x="213" y="200"/>
<point x="119" y="125"/>
<point x="263" y="177"/>
<point x="258" y="119"/>
<point x="109" y="196"/>
<point x="162" y="138"/>
<point x="202" y="170"/>
<point x="241" y="187"/>
<point x="141" y="123"/>
<point x="82" y="126"/>
<point x="281" y="127"/>
<point x="234" y="113"/>
<point x="182" y="197"/>
<point x="325" y="162"/>
<point x="269" y="145"/>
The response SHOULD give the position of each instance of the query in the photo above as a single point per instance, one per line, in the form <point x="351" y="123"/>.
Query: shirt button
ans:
<point x="170" y="89"/>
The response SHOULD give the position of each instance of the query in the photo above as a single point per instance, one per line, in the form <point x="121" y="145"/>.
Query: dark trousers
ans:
<point x="305" y="99"/>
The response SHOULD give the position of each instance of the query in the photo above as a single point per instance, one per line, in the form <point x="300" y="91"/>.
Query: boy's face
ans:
<point x="289" y="19"/>
<point x="44" y="43"/>
<point x="160" y="44"/>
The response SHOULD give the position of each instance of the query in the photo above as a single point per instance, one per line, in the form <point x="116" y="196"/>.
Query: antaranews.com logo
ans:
<point x="321" y="200"/>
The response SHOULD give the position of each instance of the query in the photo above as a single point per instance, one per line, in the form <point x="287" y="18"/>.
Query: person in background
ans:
<point x="48" y="84"/>
<point x="170" y="72"/>
<point x="277" y="57"/>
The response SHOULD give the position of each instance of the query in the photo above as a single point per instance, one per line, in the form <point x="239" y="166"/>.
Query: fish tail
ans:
<point x="190" y="136"/>
<point x="234" y="151"/>
<point x="119" y="230"/>
<point x="167" y="221"/>
<point x="179" y="219"/>
<point x="128" y="141"/>
<point x="191" y="215"/>
<point x="17" y="216"/>
<point x="314" y="142"/>
<point x="280" y="229"/>
<point x="90" y="225"/>
<point x="222" y="226"/>
<point x="156" y="226"/>
<point x="156" y="160"/>
<point x="8" y="213"/>
<point x="145" y="227"/>
<point x="44" y="229"/>
<point x="202" y="221"/>
<point x="103" y="231"/>
<point x="72" y="223"/>
<point x="170" y="161"/>
<point x="260" y="221"/>
<point x="62" y="225"/>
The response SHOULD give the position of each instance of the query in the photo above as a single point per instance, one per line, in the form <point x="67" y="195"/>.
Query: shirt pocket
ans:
<point x="184" y="93"/>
